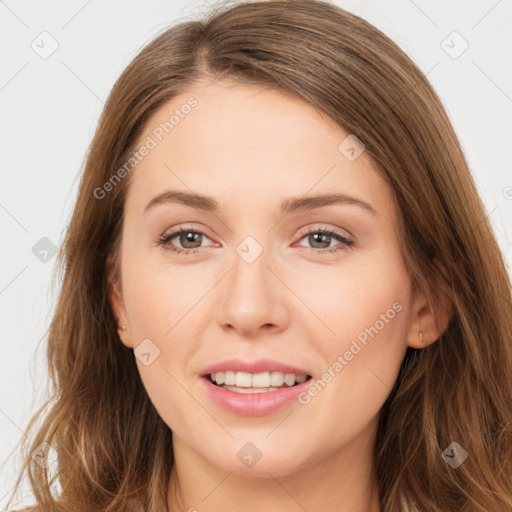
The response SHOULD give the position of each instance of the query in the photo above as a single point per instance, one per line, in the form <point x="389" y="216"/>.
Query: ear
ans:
<point x="115" y="297"/>
<point x="430" y="316"/>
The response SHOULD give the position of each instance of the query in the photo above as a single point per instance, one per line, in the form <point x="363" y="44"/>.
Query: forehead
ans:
<point x="249" y="143"/>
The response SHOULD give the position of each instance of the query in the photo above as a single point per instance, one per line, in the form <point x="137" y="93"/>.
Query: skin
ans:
<point x="251" y="148"/>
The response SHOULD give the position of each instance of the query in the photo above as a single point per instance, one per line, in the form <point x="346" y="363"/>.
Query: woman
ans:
<point x="281" y="290"/>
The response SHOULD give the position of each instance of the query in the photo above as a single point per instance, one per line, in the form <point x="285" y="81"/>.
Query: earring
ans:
<point x="421" y="336"/>
<point x="122" y="327"/>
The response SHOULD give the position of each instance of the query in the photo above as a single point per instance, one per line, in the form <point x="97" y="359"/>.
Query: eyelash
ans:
<point x="346" y="242"/>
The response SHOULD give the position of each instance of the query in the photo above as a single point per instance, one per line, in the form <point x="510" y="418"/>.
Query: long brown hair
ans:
<point x="114" y="451"/>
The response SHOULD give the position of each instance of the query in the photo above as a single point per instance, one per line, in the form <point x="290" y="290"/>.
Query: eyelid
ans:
<point x="188" y="227"/>
<point x="326" y="227"/>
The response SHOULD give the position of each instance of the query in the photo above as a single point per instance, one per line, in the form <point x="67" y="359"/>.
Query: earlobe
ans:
<point x="124" y="336"/>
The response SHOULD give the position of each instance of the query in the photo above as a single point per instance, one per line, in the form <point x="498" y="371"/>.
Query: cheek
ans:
<point x="159" y="297"/>
<point x="366" y="308"/>
<point x="353" y="296"/>
<point x="162" y="305"/>
<point x="172" y="397"/>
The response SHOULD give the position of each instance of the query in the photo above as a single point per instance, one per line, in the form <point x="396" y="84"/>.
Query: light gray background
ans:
<point x="50" y="107"/>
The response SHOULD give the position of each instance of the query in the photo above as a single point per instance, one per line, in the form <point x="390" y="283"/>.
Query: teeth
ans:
<point x="229" y="378"/>
<point x="277" y="378"/>
<point x="289" y="379"/>
<point x="249" y="390"/>
<point x="257" y="380"/>
<point x="243" y="380"/>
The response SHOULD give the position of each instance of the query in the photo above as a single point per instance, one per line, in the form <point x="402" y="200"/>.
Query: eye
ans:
<point x="189" y="238"/>
<point x="324" y="237"/>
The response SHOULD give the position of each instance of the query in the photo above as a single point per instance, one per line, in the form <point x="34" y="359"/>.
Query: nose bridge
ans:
<point x="250" y="275"/>
<point x="250" y="292"/>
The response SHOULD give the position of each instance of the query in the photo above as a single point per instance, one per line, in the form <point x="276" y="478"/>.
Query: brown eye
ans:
<point x="320" y="240"/>
<point x="189" y="237"/>
<point x="185" y="240"/>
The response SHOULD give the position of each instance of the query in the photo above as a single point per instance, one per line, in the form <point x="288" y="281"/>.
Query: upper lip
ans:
<point x="258" y="366"/>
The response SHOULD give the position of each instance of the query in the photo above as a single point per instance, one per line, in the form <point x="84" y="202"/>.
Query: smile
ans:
<point x="245" y="382"/>
<point x="250" y="400"/>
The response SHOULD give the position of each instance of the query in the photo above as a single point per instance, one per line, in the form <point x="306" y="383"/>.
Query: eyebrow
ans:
<point x="290" y="205"/>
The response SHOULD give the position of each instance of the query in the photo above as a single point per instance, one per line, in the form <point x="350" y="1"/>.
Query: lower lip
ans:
<point x="254" y="404"/>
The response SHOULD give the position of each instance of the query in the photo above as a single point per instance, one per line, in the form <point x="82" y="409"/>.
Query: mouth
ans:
<point x="255" y="394"/>
<point x="265" y="382"/>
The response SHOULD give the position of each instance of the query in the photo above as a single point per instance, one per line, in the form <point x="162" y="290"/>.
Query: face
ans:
<point x="268" y="276"/>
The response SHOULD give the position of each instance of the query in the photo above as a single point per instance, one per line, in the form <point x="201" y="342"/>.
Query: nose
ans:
<point x="252" y="298"/>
